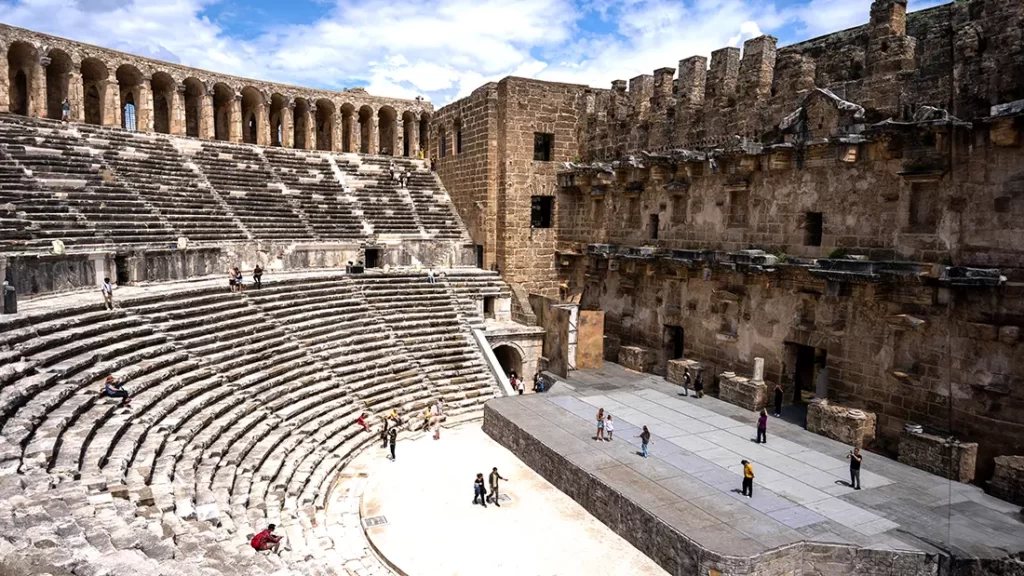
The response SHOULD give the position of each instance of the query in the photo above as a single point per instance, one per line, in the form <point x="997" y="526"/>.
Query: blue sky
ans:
<point x="440" y="49"/>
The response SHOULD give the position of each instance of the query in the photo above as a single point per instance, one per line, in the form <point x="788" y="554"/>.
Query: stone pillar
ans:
<point x="311" y="127"/>
<point x="640" y="90"/>
<point x="177" y="111"/>
<point x="758" y="370"/>
<point x="618" y="104"/>
<point x="207" y="116"/>
<point x="144" y="107"/>
<point x="336" y="132"/>
<point x="287" y="125"/>
<point x="263" y="125"/>
<point x="757" y="69"/>
<point x="37" y="89"/>
<point x="5" y="88"/>
<point x="375" y="136"/>
<point x="357" y="134"/>
<point x="235" y="119"/>
<point x="414" y="138"/>
<point x="725" y="69"/>
<point x="111" y="103"/>
<point x="76" y="93"/>
<point x="794" y="74"/>
<point x="662" y="91"/>
<point x="693" y="73"/>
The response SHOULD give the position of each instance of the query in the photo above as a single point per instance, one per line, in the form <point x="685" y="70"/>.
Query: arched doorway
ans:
<point x="129" y="79"/>
<point x="510" y="358"/>
<point x="163" y="88"/>
<point x="425" y="134"/>
<point x="347" y="112"/>
<point x="253" y="110"/>
<point x="128" y="114"/>
<point x="57" y="83"/>
<point x="94" y="86"/>
<point x="195" y="96"/>
<point x="223" y="98"/>
<point x="278" y="103"/>
<point x="366" y="130"/>
<point x="324" y="125"/>
<point x="21" y="58"/>
<point x="386" y="119"/>
<point x="408" y="126"/>
<point x="300" y="123"/>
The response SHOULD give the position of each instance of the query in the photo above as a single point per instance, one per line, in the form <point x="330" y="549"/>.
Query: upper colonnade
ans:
<point x="111" y="88"/>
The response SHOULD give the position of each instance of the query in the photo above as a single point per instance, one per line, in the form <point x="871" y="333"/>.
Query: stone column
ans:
<point x="287" y="125"/>
<point x="76" y="93"/>
<point x="311" y="127"/>
<point x="37" y="91"/>
<point x="336" y="132"/>
<point x="207" y="116"/>
<point x="144" y="107"/>
<point x="177" y="111"/>
<point x="357" y="134"/>
<point x="111" y="103"/>
<point x="414" y="138"/>
<point x="758" y="370"/>
<point x="263" y="125"/>
<point x="374" y="135"/>
<point x="235" y="119"/>
<point x="5" y="88"/>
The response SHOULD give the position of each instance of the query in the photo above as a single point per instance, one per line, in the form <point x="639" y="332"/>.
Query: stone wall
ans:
<point x="673" y="550"/>
<point x="743" y="392"/>
<point x="1007" y="482"/>
<point x="849" y="426"/>
<point x="636" y="358"/>
<point x="939" y="455"/>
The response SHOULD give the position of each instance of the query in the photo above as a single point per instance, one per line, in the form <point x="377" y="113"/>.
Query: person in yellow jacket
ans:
<point x="748" y="479"/>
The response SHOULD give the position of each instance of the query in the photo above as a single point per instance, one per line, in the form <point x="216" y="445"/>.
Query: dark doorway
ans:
<point x="809" y="364"/>
<point x="479" y="256"/>
<point x="673" y="342"/>
<point x="509" y="359"/>
<point x="372" y="257"/>
<point x="121" y="276"/>
<point x="488" y="306"/>
<point x="19" y="94"/>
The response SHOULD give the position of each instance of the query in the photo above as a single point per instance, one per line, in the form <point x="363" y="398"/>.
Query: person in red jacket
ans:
<point x="266" y="540"/>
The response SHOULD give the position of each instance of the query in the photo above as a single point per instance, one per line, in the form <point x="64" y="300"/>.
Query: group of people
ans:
<point x="237" y="284"/>
<point x="519" y="384"/>
<point x="480" y="493"/>
<point x="390" y="422"/>
<point x="606" y="431"/>
<point x="698" y="384"/>
<point x="400" y="176"/>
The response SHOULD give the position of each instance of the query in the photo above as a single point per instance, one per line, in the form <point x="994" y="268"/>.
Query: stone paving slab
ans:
<point x="692" y="478"/>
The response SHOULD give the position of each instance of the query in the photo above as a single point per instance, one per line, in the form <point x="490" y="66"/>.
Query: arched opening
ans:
<point x="21" y="58"/>
<point x="195" y="95"/>
<point x="252" y="115"/>
<point x="425" y="134"/>
<point x="510" y="359"/>
<point x="57" y="78"/>
<point x="386" y="119"/>
<point x="347" y="112"/>
<point x="94" y="86"/>
<point x="277" y="106"/>
<point x="163" y="87"/>
<point x="301" y="122"/>
<point x="130" y="80"/>
<point x="223" y="97"/>
<point x="366" y="130"/>
<point x="408" y="126"/>
<point x="324" y="124"/>
<point x="457" y="131"/>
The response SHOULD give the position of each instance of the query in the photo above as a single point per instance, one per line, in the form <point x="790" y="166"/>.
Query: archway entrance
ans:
<point x="510" y="359"/>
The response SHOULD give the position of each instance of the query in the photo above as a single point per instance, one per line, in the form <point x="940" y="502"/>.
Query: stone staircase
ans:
<point x="244" y="413"/>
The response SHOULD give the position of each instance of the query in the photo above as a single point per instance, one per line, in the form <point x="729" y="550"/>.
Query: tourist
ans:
<point x="433" y="163"/>
<point x="778" y="400"/>
<point x="494" y="477"/>
<point x="257" y="277"/>
<point x="232" y="281"/>
<point x="384" y="432"/>
<point x="439" y="408"/>
<point x="855" y="460"/>
<point x="748" y="479"/>
<point x="108" y="294"/>
<point x="65" y="111"/>
<point x="538" y="382"/>
<point x="762" y="427"/>
<point x="392" y="438"/>
<point x="426" y="418"/>
<point x="391" y="171"/>
<point x="600" y="424"/>
<point x="698" y="386"/>
<point x="479" y="491"/>
<point x="113" y="389"/>
<point x="437" y="430"/>
<point x="686" y="382"/>
<point x="362" y="422"/>
<point x="609" y="428"/>
<point x="238" y="280"/>
<point x="394" y="416"/>
<point x="266" y="540"/>
<point x="430" y="276"/>
<point x="645" y="439"/>
<point x="520" y="386"/>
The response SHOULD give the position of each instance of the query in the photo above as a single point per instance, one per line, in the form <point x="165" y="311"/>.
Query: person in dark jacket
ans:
<point x="479" y="490"/>
<point x="778" y="400"/>
<point x="392" y="438"/>
<point x="493" y="479"/>
<point x="699" y="385"/>
<point x="855" y="460"/>
<point x="762" y="427"/>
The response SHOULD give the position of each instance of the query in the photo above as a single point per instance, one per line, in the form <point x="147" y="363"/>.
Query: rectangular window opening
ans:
<point x="540" y="211"/>
<point x="488" y="306"/>
<point x="653" y="226"/>
<point x="813" y="225"/>
<point x="458" y="141"/>
<point x="542" y="146"/>
<point x="444" y="145"/>
<point x="923" y="210"/>
<point x="738" y="207"/>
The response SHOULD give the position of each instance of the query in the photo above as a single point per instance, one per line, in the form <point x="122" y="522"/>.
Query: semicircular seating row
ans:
<point x="244" y="411"/>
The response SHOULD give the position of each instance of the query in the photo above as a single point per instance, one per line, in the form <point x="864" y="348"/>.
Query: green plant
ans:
<point x="838" y="253"/>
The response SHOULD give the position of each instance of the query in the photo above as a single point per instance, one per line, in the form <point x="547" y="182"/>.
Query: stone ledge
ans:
<point x="1007" y="481"/>
<point x="846" y="425"/>
<point x="939" y="455"/>
<point x="636" y="358"/>
<point x="742" y="391"/>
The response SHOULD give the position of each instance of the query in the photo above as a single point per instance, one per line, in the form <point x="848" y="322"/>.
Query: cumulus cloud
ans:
<point x="442" y="49"/>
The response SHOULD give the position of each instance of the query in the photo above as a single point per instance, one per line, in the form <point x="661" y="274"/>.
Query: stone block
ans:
<point x="676" y="369"/>
<point x="939" y="455"/>
<point x="636" y="358"/>
<point x="742" y="392"/>
<point x="1007" y="481"/>
<point x="846" y="425"/>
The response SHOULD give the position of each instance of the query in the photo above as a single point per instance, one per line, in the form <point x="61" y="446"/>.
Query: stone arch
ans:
<point x="510" y="356"/>
<point x="366" y="130"/>
<point x="278" y="104"/>
<point x="163" y="87"/>
<point x="387" y="119"/>
<point x="130" y="80"/>
<point x="58" y="77"/>
<point x="408" y="127"/>
<point x="253" y="109"/>
<point x="347" y="118"/>
<point x="195" y="96"/>
<point x="301" y="122"/>
<point x="95" y="76"/>
<point x="324" y="124"/>
<point x="223" y="99"/>
<point x="22" y="60"/>
<point x="425" y="133"/>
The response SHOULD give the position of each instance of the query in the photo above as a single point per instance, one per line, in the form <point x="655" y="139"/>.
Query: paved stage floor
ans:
<point x="693" y="476"/>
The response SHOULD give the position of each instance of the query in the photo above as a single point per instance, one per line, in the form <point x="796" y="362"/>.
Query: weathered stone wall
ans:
<point x="742" y="391"/>
<point x="849" y="426"/>
<point x="636" y="358"/>
<point x="673" y="550"/>
<point x="938" y="455"/>
<point x="1007" y="482"/>
<point x="42" y="274"/>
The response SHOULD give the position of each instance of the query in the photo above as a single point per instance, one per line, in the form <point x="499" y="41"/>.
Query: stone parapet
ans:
<point x="636" y="358"/>
<point x="742" y="391"/>
<point x="1007" y="481"/>
<point x="847" y="425"/>
<point x="676" y="369"/>
<point x="940" y="456"/>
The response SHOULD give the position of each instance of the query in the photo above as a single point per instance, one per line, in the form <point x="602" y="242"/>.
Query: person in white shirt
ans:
<point x="108" y="294"/>
<point x="609" y="428"/>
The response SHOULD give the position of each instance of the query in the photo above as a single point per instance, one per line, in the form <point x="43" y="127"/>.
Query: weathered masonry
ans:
<point x="847" y="208"/>
<point x="109" y="88"/>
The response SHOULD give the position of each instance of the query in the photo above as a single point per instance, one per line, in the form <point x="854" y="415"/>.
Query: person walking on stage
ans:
<point x="698" y="386"/>
<point x="748" y="479"/>
<point x="778" y="400"/>
<point x="609" y="428"/>
<point x="855" y="460"/>
<point x="494" y="478"/>
<point x="392" y="438"/>
<point x="600" y="424"/>
<point x="686" y="382"/>
<point x="479" y="491"/>
<point x="645" y="439"/>
<point x="762" y="427"/>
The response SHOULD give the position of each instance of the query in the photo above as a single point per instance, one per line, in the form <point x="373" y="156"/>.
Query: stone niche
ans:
<point x="636" y="358"/>
<point x="743" y="392"/>
<point x="1007" y="481"/>
<point x="940" y="456"/>
<point x="846" y="425"/>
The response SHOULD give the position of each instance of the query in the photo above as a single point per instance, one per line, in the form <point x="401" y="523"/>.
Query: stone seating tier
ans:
<point x="243" y="413"/>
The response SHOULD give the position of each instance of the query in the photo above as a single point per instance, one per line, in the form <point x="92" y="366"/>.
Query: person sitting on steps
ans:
<point x="113" y="389"/>
<point x="266" y="540"/>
